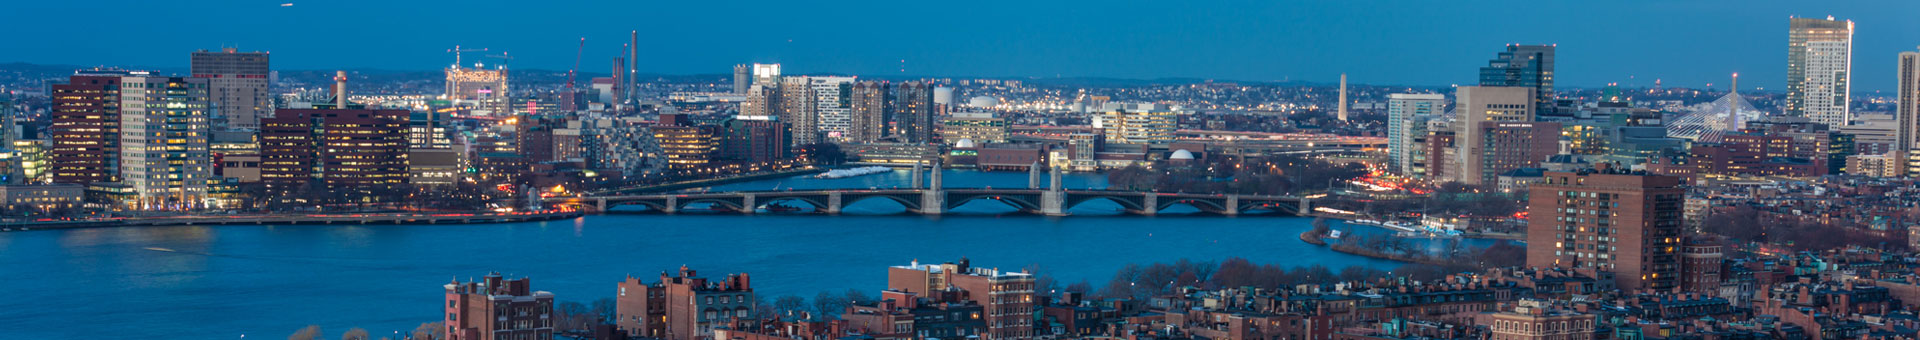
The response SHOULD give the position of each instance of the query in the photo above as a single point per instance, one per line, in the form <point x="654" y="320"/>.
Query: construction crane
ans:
<point x="504" y="59"/>
<point x="576" y="63"/>
<point x="457" y="50"/>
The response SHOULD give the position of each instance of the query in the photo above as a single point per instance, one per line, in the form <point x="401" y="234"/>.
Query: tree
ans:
<point x="1082" y="287"/>
<point x="824" y="153"/>
<point x="789" y="305"/>
<point x="855" y="297"/>
<point x="828" y="304"/>
<point x="605" y="308"/>
<point x="430" y="331"/>
<point x="573" y="316"/>
<point x="762" y="309"/>
<point x="356" y="333"/>
<point x="311" y="332"/>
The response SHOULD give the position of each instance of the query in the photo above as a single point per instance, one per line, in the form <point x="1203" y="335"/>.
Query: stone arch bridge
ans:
<point x="939" y="201"/>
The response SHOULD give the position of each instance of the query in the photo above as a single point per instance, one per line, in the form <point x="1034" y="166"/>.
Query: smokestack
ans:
<point x="340" y="89"/>
<point x="1343" y="97"/>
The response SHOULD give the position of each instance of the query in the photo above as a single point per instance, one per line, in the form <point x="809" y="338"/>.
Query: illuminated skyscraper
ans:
<point x="1406" y="122"/>
<point x="800" y="109"/>
<point x="870" y="106"/>
<point x="1529" y="66"/>
<point x="1908" y="114"/>
<point x="481" y="88"/>
<point x="86" y="128"/>
<point x="742" y="77"/>
<point x="164" y="156"/>
<point x="238" y="85"/>
<point x="913" y="112"/>
<point x="1481" y="104"/>
<point x="1819" y="69"/>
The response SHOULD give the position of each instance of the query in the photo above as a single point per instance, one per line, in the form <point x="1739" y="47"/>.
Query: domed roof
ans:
<point x="983" y="101"/>
<point x="963" y="143"/>
<point x="1181" y="154"/>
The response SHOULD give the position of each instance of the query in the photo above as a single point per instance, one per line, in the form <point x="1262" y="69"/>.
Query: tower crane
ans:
<point x="456" y="50"/>
<point x="576" y="63"/>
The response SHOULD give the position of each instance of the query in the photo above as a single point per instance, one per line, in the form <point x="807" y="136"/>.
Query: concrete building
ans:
<point x="831" y="105"/>
<point x="483" y="89"/>
<point x="341" y="149"/>
<point x="1608" y="221"/>
<point x="871" y="103"/>
<point x="1007" y="296"/>
<point x="1528" y="66"/>
<point x="1907" y="108"/>
<point x="1406" y="119"/>
<point x="800" y="109"/>
<point x="498" y="309"/>
<point x="164" y="135"/>
<point x="1819" y="69"/>
<point x="683" y="306"/>
<point x="1149" y="126"/>
<point x="762" y="102"/>
<point x="742" y="78"/>
<point x="1539" y="320"/>
<point x="686" y="145"/>
<point x="1506" y="146"/>
<point x="1479" y="104"/>
<point x="754" y="141"/>
<point x="979" y="127"/>
<point x="45" y="198"/>
<point x="86" y="128"/>
<point x="237" y="83"/>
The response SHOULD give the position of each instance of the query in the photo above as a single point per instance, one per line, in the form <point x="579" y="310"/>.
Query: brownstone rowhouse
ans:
<point x="1608" y="221"/>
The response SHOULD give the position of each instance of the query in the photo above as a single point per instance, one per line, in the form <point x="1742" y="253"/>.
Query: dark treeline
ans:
<point x="1141" y="281"/>
<point x="1746" y="224"/>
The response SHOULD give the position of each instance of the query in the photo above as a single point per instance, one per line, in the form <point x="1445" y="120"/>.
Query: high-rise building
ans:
<point x="1506" y="146"/>
<point x="1007" y="296"/>
<point x="766" y="74"/>
<point x="1907" y="115"/>
<point x="870" y="106"/>
<point x="497" y="309"/>
<point x="1142" y="125"/>
<point x="683" y="306"/>
<point x="1529" y="66"/>
<point x="1406" y="120"/>
<point x="913" y="112"/>
<point x="237" y="82"/>
<point x="1819" y="69"/>
<point x="86" y="128"/>
<point x="832" y="105"/>
<point x="1608" y="221"/>
<point x="164" y="156"/>
<point x="754" y="140"/>
<point x="742" y="78"/>
<point x="1477" y="104"/>
<point x="483" y="89"/>
<point x="763" y="102"/>
<point x="800" y="109"/>
<point x="338" y="149"/>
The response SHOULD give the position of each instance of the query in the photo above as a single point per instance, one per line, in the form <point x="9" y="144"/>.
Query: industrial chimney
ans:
<point x="340" y="89"/>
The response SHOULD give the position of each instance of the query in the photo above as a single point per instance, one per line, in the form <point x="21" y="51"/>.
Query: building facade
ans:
<point x="682" y="306"/>
<point x="1406" y="119"/>
<point x="339" y="149"/>
<point x="1608" y="221"/>
<point x="164" y="139"/>
<point x="1007" y="297"/>
<point x="1819" y="69"/>
<point x="86" y="129"/>
<point x="871" y="104"/>
<point x="237" y="82"/>
<point x="1529" y="66"/>
<point x="913" y="114"/>
<point x="497" y="309"/>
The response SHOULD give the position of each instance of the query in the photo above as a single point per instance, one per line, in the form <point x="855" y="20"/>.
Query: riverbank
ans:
<point x="364" y="218"/>
<point x="711" y="181"/>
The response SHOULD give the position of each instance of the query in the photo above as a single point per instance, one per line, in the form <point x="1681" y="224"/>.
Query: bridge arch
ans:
<point x="1202" y="204"/>
<point x="1274" y="205"/>
<point x="651" y="205"/>
<point x="1017" y="201"/>
<point x="912" y="204"/>
<point x="818" y="205"/>
<point x="1123" y="201"/>
<point x="729" y="203"/>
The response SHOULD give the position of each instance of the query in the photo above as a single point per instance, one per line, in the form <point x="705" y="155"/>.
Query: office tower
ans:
<point x="483" y="89"/>
<point x="1343" y="98"/>
<point x="913" y="112"/>
<point x="685" y="144"/>
<point x="1610" y="221"/>
<point x="763" y="102"/>
<point x="1138" y="123"/>
<point x="237" y="82"/>
<point x="800" y="109"/>
<point x="870" y="106"/>
<point x="1406" y="116"/>
<point x="1907" y="115"/>
<point x="750" y="140"/>
<point x="497" y="309"/>
<point x="1477" y="104"/>
<point x="742" y="77"/>
<point x="1506" y="146"/>
<point x="1819" y="69"/>
<point x="681" y="307"/>
<point x="86" y="128"/>
<point x="1007" y="296"/>
<point x="164" y="158"/>
<point x="1529" y="66"/>
<point x="335" y="149"/>
<point x="831" y="105"/>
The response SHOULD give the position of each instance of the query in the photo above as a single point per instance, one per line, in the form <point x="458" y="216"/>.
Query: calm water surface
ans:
<point x="267" y="281"/>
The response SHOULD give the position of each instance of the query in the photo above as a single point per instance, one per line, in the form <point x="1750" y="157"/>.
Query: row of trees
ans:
<point x="426" y="331"/>
<point x="1747" y="224"/>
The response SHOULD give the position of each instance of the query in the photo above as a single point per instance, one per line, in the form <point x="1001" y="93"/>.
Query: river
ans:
<point x="214" y="282"/>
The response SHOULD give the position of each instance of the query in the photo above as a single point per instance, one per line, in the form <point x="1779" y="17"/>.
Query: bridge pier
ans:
<point x="1306" y="207"/>
<point x="748" y="205"/>
<point x="933" y="201"/>
<point x="1053" y="203"/>
<point x="1232" y="208"/>
<point x="917" y="171"/>
<point x="833" y="203"/>
<point x="672" y="206"/>
<point x="1033" y="176"/>
<point x="600" y="204"/>
<point x="1149" y="204"/>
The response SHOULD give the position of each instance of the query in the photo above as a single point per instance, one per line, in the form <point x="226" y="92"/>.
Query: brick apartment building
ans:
<point x="1610" y="221"/>
<point x="1007" y="296"/>
<point x="498" y="309"/>
<point x="683" y="306"/>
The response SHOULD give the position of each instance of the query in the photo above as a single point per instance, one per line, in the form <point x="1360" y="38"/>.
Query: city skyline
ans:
<point x="1683" y="45"/>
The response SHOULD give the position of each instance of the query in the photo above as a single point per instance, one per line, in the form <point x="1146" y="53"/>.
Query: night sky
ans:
<point x="1685" y="43"/>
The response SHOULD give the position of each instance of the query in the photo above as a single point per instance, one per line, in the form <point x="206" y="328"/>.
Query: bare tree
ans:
<point x="430" y="331"/>
<point x="311" y="332"/>
<point x="356" y="333"/>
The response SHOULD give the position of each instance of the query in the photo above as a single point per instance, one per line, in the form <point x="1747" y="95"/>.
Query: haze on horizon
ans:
<point x="1690" y="44"/>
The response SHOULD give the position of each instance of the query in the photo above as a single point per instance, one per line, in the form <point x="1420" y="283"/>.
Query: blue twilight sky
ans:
<point x="1684" y="43"/>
